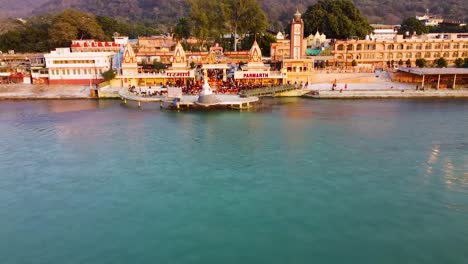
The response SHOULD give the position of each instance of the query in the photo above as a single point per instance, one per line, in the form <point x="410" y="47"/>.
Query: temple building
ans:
<point x="298" y="68"/>
<point x="297" y="50"/>
<point x="256" y="71"/>
<point x="131" y="74"/>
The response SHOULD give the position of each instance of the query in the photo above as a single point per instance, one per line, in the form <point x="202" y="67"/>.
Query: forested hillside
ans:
<point x="163" y="13"/>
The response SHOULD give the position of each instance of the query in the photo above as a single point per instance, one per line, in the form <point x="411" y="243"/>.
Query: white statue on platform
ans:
<point x="206" y="89"/>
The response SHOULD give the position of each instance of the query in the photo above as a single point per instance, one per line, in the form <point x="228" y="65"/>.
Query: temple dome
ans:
<point x="179" y="54"/>
<point x="129" y="55"/>
<point x="255" y="54"/>
<point x="297" y="15"/>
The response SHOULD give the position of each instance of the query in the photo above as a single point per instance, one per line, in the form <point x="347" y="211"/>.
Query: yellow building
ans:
<point x="379" y="53"/>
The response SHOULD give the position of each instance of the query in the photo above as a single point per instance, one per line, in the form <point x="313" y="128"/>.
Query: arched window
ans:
<point x="350" y="47"/>
<point x="427" y="55"/>
<point x="437" y="46"/>
<point x="399" y="55"/>
<point x="340" y="47"/>
<point x="400" y="46"/>
<point x="419" y="47"/>
<point x="390" y="56"/>
<point x="359" y="47"/>
<point x="409" y="47"/>
<point x="437" y="55"/>
<point x="464" y="54"/>
<point x="418" y="55"/>
<point x="446" y="55"/>
<point x="455" y="54"/>
<point x="428" y="46"/>
<point x="391" y="47"/>
<point x="409" y="55"/>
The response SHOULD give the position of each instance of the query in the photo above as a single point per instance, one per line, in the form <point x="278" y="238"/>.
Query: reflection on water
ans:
<point x="294" y="178"/>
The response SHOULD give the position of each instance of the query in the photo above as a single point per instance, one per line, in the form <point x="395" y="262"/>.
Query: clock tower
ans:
<point x="297" y="36"/>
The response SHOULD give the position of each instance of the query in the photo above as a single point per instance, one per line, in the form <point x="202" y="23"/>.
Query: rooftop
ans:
<point x="434" y="71"/>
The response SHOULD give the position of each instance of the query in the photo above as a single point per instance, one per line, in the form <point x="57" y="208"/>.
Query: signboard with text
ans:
<point x="180" y="74"/>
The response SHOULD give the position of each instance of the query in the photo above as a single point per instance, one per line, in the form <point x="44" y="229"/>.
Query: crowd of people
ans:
<point x="194" y="88"/>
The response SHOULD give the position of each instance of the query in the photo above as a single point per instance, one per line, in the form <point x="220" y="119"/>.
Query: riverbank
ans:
<point x="27" y="91"/>
<point x="387" y="94"/>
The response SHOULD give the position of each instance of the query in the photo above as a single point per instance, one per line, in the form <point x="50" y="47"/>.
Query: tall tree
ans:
<point x="183" y="28"/>
<point x="411" y="25"/>
<point x="209" y="16"/>
<point x="244" y="16"/>
<point x="338" y="19"/>
<point x="264" y="41"/>
<point x="72" y="24"/>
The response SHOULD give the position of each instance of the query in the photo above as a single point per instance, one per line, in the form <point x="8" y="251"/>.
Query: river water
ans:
<point x="301" y="181"/>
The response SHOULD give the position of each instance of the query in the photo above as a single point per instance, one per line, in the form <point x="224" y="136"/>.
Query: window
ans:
<point x="447" y="46"/>
<point x="418" y="55"/>
<point x="446" y="55"/>
<point x="428" y="46"/>
<point x="409" y="55"/>
<point x="456" y="46"/>
<point x="400" y="47"/>
<point x="359" y="47"/>
<point x="340" y="47"/>
<point x="437" y="55"/>
<point x="399" y="55"/>
<point x="63" y="72"/>
<point x="437" y="46"/>
<point x="409" y="47"/>
<point x="455" y="54"/>
<point x="419" y="47"/>
<point x="68" y="71"/>
<point x="74" y="71"/>
<point x="390" y="56"/>
<point x="391" y="47"/>
<point x="465" y="46"/>
<point x="427" y="55"/>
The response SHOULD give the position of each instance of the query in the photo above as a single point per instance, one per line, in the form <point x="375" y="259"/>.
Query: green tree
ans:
<point x="459" y="62"/>
<point x="72" y="24"/>
<point x="109" y="75"/>
<point x="354" y="63"/>
<point x="408" y="63"/>
<point x="338" y="19"/>
<point x="411" y="25"/>
<point x="263" y="40"/>
<point x="209" y="16"/>
<point x="421" y="63"/>
<point x="158" y="66"/>
<point x="183" y="28"/>
<point x="465" y="64"/>
<point x="441" y="63"/>
<point x="244" y="16"/>
<point x="400" y="62"/>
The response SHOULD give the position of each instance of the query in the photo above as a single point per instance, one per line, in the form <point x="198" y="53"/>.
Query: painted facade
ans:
<point x="66" y="67"/>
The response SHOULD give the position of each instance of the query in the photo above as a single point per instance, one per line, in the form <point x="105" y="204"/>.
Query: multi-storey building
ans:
<point x="381" y="53"/>
<point x="66" y="67"/>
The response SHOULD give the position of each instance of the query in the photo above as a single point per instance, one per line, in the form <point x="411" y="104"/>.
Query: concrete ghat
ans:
<point x="28" y="91"/>
<point x="190" y="101"/>
<point x="389" y="94"/>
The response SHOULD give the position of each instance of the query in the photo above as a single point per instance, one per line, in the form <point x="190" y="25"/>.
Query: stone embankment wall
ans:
<point x="324" y="77"/>
<point x="28" y="91"/>
<point x="389" y="94"/>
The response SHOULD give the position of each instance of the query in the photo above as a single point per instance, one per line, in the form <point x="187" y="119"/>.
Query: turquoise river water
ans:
<point x="301" y="181"/>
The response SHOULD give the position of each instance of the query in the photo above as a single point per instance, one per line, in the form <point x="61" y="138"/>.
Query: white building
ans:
<point x="66" y="67"/>
<point x="383" y="32"/>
